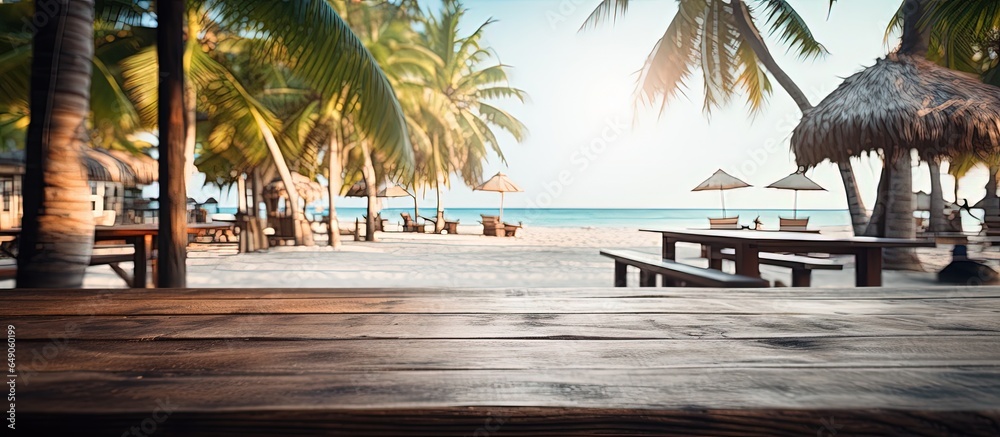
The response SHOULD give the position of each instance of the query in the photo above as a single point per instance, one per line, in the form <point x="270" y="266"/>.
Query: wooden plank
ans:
<point x="918" y="389"/>
<point x="239" y="357"/>
<point x="497" y="326"/>
<point x="486" y="305"/>
<point x="951" y="292"/>
<point x="490" y="421"/>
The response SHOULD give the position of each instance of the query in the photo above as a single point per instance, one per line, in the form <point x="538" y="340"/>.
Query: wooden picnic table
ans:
<point x="430" y="362"/>
<point x="141" y="237"/>
<point x="748" y="244"/>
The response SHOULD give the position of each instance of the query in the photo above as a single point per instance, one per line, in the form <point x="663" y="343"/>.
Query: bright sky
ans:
<point x="584" y="150"/>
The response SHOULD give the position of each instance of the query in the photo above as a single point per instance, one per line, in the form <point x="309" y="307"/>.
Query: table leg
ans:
<point x="714" y="262"/>
<point x="748" y="260"/>
<point x="139" y="259"/>
<point x="669" y="248"/>
<point x="868" y="267"/>
<point x="151" y="254"/>
<point x="620" y="274"/>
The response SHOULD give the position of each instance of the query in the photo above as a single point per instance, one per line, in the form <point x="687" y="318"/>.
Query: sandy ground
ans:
<point x="538" y="257"/>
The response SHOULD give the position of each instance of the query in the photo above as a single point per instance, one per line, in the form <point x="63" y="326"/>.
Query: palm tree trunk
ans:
<point x="191" y="96"/>
<point x="938" y="222"/>
<point x="242" y="218"/>
<point x="439" y="224"/>
<point x="334" y="184"/>
<point x="743" y="21"/>
<point x="172" y="260"/>
<point x="58" y="227"/>
<point x="876" y="226"/>
<point x="371" y="193"/>
<point x="298" y="218"/>
<point x="991" y="204"/>
<point x="899" y="221"/>
<point x="257" y="187"/>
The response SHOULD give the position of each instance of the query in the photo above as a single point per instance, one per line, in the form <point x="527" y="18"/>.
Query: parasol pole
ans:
<point x="795" y="211"/>
<point x="501" y="207"/>
<point x="723" y="195"/>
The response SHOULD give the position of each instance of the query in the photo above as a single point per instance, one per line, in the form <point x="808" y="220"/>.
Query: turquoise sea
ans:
<point x="607" y="218"/>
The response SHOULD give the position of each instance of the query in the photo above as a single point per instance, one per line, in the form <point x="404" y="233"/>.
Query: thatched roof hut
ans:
<point x="904" y="101"/>
<point x="105" y="165"/>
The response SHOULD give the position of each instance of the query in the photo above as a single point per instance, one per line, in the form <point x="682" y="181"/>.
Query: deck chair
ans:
<point x="724" y="223"/>
<point x="492" y="226"/>
<point x="511" y="230"/>
<point x="409" y="224"/>
<point x="793" y="225"/>
<point x="450" y="226"/>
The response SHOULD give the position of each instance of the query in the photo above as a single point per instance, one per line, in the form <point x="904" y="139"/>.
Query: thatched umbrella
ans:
<point x="902" y="101"/>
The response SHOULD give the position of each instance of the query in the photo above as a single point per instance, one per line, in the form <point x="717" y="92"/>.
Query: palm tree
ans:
<point x="460" y="87"/>
<point x="58" y="230"/>
<point x="723" y="40"/>
<point x="966" y="37"/>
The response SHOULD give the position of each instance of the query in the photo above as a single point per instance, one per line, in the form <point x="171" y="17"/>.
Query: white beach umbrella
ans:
<point x="796" y="182"/>
<point x="721" y="181"/>
<point x="501" y="184"/>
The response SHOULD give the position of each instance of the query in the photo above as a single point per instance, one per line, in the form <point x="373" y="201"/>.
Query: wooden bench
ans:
<point x="802" y="266"/>
<point x="674" y="273"/>
<point x="111" y="260"/>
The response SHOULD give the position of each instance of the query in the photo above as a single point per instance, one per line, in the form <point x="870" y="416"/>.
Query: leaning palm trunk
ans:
<point x="300" y="228"/>
<point x="439" y="223"/>
<point x="58" y="226"/>
<point x="938" y="223"/>
<point x="743" y="20"/>
<point x="334" y="183"/>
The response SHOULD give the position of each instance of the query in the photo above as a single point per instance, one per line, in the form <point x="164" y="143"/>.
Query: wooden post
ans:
<point x="801" y="278"/>
<point x="868" y="267"/>
<point x="172" y="271"/>
<point x="669" y="249"/>
<point x="748" y="260"/>
<point x="621" y="274"/>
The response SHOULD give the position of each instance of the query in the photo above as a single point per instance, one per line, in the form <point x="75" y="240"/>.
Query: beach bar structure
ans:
<point x="115" y="177"/>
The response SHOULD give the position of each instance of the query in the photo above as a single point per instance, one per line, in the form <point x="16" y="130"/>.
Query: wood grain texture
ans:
<point x="231" y="357"/>
<point x="543" y="362"/>
<point x="497" y="326"/>
<point x="533" y="421"/>
<point x="492" y="305"/>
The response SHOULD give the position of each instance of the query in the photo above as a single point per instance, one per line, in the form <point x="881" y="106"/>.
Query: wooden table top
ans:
<point x="785" y="238"/>
<point x="519" y="361"/>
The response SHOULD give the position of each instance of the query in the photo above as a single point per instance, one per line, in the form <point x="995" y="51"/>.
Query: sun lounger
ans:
<point x="724" y="223"/>
<point x="511" y="230"/>
<point x="794" y="225"/>
<point x="411" y="225"/>
<point x="450" y="226"/>
<point x="492" y="226"/>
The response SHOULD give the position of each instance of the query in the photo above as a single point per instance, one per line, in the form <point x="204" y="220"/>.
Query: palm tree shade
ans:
<point x="721" y="181"/>
<point x="796" y="182"/>
<point x="501" y="184"/>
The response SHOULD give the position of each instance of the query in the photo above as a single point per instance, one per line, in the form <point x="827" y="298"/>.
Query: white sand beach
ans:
<point x="538" y="257"/>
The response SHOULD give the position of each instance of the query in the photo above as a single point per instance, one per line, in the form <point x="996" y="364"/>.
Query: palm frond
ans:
<point x="607" y="10"/>
<point x="791" y="29"/>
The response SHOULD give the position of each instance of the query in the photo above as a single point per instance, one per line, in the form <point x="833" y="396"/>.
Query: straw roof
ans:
<point x="308" y="189"/>
<point x="902" y="101"/>
<point x="106" y="165"/>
